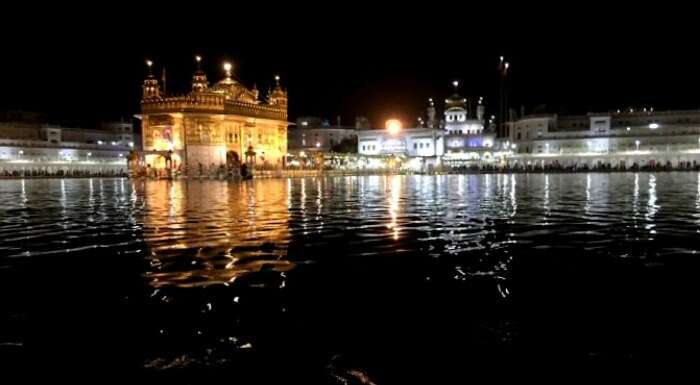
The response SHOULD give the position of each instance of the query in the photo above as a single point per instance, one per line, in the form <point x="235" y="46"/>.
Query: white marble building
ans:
<point x="621" y="139"/>
<point x="458" y="140"/>
<point x="37" y="149"/>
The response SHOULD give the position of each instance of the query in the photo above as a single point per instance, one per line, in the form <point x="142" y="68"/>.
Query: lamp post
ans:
<point x="636" y="143"/>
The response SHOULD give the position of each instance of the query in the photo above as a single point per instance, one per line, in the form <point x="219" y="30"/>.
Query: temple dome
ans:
<point x="456" y="101"/>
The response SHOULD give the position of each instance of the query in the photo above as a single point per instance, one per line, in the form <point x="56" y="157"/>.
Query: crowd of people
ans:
<point x="60" y="173"/>
<point x="559" y="167"/>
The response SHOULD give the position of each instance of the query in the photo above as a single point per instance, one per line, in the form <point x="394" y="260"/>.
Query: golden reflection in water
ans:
<point x="212" y="232"/>
<point x="394" y="194"/>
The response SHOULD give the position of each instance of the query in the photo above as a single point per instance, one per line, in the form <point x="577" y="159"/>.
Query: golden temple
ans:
<point x="212" y="126"/>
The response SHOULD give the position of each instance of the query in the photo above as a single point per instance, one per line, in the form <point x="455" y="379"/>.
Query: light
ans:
<point x="507" y="65"/>
<point x="21" y="152"/>
<point x="636" y="143"/>
<point x="277" y="77"/>
<point x="121" y="155"/>
<point x="318" y="144"/>
<point x="227" y="68"/>
<point x="89" y="154"/>
<point x="393" y="126"/>
<point x="501" y="58"/>
<point x="455" y="83"/>
<point x="628" y="128"/>
<point x="653" y="126"/>
<point x="149" y="63"/>
<point x="99" y="142"/>
<point x="131" y="144"/>
<point x="114" y="143"/>
<point x="302" y="154"/>
<point x="513" y="146"/>
<point x="198" y="59"/>
<point x="305" y="123"/>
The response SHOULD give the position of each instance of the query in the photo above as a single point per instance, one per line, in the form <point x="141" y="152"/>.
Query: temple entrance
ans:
<point x="250" y="156"/>
<point x="232" y="159"/>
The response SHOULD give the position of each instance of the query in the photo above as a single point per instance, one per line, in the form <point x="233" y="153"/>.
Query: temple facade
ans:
<point x="212" y="126"/>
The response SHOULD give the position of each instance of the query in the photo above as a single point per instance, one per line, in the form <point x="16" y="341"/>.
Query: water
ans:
<point x="388" y="279"/>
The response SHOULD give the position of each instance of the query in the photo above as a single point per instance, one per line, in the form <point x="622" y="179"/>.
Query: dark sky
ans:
<point x="85" y="67"/>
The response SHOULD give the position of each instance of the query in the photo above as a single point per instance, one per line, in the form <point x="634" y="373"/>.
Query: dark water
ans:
<point x="384" y="279"/>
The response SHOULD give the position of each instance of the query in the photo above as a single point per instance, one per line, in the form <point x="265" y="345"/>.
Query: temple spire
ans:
<point x="151" y="88"/>
<point x="199" y="79"/>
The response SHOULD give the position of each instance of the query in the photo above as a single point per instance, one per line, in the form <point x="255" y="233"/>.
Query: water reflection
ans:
<point x="652" y="208"/>
<point x="240" y="271"/>
<point x="209" y="232"/>
<point x="393" y="196"/>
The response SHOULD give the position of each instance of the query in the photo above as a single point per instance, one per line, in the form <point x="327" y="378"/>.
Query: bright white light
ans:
<point x="198" y="58"/>
<point x="131" y="144"/>
<point x="99" y="142"/>
<point x="455" y="83"/>
<point x="304" y="123"/>
<point x="513" y="146"/>
<point x="227" y="67"/>
<point x="114" y="143"/>
<point x="393" y="126"/>
<point x="89" y="154"/>
<point x="628" y="128"/>
<point x="318" y="144"/>
<point x="21" y="152"/>
<point x="653" y="126"/>
<point x="120" y="155"/>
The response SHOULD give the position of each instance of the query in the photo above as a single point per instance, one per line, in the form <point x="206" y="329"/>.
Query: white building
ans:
<point x="621" y="139"/>
<point x="28" y="148"/>
<point x="458" y="140"/>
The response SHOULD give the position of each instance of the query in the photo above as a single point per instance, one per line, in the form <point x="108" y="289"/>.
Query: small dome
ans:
<point x="455" y="101"/>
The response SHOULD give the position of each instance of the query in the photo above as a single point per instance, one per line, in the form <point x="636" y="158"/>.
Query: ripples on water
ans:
<point x="381" y="278"/>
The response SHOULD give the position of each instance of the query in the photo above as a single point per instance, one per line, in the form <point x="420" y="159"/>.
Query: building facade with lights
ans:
<point x="621" y="139"/>
<point x="311" y="134"/>
<point x="460" y="139"/>
<point x="39" y="149"/>
<point x="213" y="125"/>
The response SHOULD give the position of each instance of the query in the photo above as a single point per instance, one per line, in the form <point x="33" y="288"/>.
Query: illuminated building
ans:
<point x="34" y="148"/>
<point x="311" y="134"/>
<point x="621" y="139"/>
<point x="213" y="125"/>
<point x="460" y="139"/>
<point x="466" y="140"/>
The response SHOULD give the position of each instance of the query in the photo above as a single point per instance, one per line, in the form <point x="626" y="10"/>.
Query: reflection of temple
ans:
<point x="213" y="125"/>
<point x="226" y="229"/>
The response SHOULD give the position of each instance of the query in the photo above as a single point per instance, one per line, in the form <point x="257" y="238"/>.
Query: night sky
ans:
<point x="82" y="69"/>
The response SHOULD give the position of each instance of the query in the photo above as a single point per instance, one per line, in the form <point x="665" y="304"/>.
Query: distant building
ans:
<point x="622" y="138"/>
<point x="311" y="135"/>
<point x="28" y="147"/>
<point x="458" y="140"/>
<point x="213" y="126"/>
